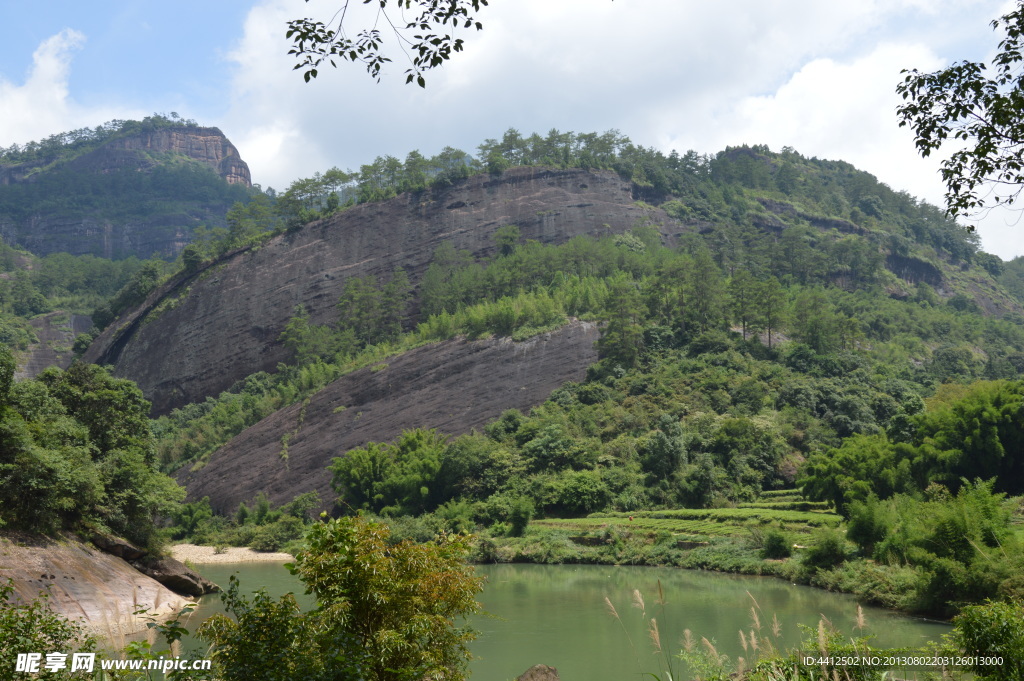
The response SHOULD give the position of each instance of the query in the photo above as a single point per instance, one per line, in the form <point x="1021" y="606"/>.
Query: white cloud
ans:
<point x="840" y="110"/>
<point x="41" y="106"/>
<point x="32" y="109"/>
<point x="819" y="77"/>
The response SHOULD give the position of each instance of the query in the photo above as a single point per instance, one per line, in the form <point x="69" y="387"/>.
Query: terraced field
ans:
<point x="785" y="509"/>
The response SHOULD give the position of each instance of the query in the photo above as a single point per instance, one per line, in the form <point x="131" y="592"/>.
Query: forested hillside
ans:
<point x="766" y="322"/>
<point x="125" y="188"/>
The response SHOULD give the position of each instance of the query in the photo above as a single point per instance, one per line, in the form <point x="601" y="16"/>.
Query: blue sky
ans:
<point x="816" y="76"/>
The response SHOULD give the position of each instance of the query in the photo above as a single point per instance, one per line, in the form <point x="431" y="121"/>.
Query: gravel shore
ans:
<point x="194" y="553"/>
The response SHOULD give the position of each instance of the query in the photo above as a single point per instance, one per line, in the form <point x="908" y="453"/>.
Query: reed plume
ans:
<point x="611" y="608"/>
<point x="638" y="601"/>
<point x="710" y="648"/>
<point x="654" y="634"/>
<point x="687" y="641"/>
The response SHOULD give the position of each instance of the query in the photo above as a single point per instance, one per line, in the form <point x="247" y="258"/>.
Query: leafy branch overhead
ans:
<point x="982" y="105"/>
<point x="423" y="29"/>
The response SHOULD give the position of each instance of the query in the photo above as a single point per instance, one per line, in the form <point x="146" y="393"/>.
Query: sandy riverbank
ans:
<point x="196" y="554"/>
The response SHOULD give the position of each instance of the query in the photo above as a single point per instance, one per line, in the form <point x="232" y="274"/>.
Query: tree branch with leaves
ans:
<point x="982" y="106"/>
<point x="423" y="29"/>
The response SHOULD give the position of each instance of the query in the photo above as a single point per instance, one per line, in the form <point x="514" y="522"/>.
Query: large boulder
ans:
<point x="115" y="546"/>
<point x="175" y="575"/>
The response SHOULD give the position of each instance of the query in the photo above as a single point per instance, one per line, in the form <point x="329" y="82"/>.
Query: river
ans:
<point x="557" y="615"/>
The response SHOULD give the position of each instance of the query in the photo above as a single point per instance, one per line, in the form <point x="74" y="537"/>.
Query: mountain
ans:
<point x="126" y="188"/>
<point x="455" y="386"/>
<point x="204" y="330"/>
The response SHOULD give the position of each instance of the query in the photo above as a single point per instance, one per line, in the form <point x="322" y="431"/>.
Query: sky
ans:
<point x="816" y="76"/>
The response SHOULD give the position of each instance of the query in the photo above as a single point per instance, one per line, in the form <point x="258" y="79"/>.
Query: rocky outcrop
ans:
<point x="84" y="583"/>
<point x="208" y="145"/>
<point x="175" y="575"/>
<point x="539" y="672"/>
<point x="226" y="322"/>
<point x="914" y="270"/>
<point x="454" y="386"/>
<point x="116" y="546"/>
<point x="819" y="221"/>
<point x="56" y="333"/>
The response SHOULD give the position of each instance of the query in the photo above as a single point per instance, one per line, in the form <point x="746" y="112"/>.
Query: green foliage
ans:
<point x="827" y="550"/>
<point x="274" y="640"/>
<point x="979" y="434"/>
<point x="33" y="627"/>
<point x="393" y="479"/>
<point x="314" y="42"/>
<point x="352" y="569"/>
<point x="775" y="545"/>
<point x="77" y="447"/>
<point x="76" y="142"/>
<point x="993" y="635"/>
<point x="962" y="102"/>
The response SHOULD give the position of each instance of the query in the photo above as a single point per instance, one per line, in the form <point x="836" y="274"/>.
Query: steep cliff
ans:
<point x="138" y="191"/>
<point x="222" y="324"/>
<point x="208" y="145"/>
<point x="454" y="386"/>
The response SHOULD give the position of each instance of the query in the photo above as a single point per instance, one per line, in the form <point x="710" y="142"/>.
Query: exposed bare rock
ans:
<point x="454" y="386"/>
<point x="84" y="583"/>
<point x="115" y="546"/>
<point x="208" y="145"/>
<point x="226" y="322"/>
<point x="56" y="332"/>
<point x="539" y="672"/>
<point x="819" y="221"/>
<point x="914" y="270"/>
<point x="175" y="575"/>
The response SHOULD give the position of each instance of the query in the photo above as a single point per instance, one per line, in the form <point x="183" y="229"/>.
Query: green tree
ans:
<point x="744" y="301"/>
<point x="992" y="630"/>
<point x="771" y="300"/>
<point x="385" y="611"/>
<point x="622" y="338"/>
<point x="506" y="239"/>
<point x="398" y="602"/>
<point x="964" y="103"/>
<point x="398" y="478"/>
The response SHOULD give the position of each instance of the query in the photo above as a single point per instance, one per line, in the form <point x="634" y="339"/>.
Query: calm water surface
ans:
<point x="556" y="615"/>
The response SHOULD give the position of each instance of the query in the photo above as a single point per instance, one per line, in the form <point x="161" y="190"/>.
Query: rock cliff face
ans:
<point x="164" y="234"/>
<point x="56" y="332"/>
<point x="208" y="145"/>
<point x="225" y="321"/>
<point x="454" y="386"/>
<point x="127" y="226"/>
<point x="85" y="583"/>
